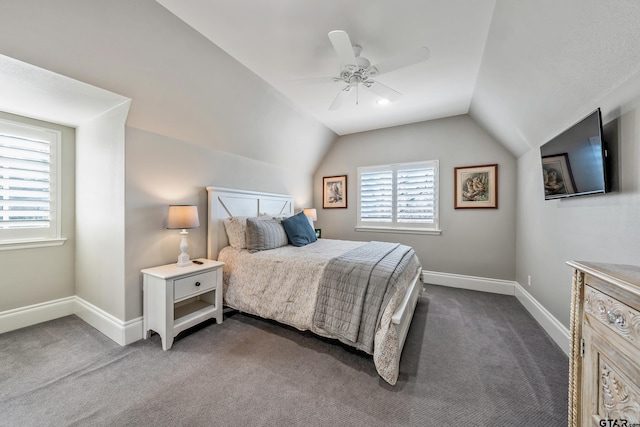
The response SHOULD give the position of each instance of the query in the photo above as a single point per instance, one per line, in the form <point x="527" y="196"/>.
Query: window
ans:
<point x="29" y="182"/>
<point x="399" y="198"/>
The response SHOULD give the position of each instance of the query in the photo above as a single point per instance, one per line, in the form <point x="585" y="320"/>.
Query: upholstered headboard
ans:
<point x="226" y="202"/>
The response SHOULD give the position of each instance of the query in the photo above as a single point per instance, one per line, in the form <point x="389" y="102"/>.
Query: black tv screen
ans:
<point x="574" y="162"/>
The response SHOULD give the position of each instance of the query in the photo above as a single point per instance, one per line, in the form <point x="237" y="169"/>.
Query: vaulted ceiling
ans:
<point x="229" y="75"/>
<point x="286" y="43"/>
<point x="523" y="69"/>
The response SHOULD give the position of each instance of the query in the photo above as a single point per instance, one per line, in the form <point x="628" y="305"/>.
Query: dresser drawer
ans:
<point x="193" y="285"/>
<point x="616" y="316"/>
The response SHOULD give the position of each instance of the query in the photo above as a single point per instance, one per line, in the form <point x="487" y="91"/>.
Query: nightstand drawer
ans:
<point x="193" y="285"/>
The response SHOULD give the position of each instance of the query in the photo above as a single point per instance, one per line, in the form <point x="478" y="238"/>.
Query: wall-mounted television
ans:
<point x="574" y="162"/>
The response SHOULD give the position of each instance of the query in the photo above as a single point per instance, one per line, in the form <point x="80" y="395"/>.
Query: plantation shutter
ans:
<point x="25" y="183"/>
<point x="376" y="196"/>
<point x="416" y="195"/>
<point x="401" y="197"/>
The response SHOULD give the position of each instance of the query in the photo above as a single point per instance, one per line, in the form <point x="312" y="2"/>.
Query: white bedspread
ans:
<point x="282" y="284"/>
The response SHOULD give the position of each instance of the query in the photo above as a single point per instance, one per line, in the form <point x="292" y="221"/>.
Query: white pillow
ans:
<point x="235" y="227"/>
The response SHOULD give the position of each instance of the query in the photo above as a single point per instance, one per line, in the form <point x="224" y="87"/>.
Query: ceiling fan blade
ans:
<point x="317" y="80"/>
<point x="402" y="60"/>
<point x="342" y="45"/>
<point x="342" y="96"/>
<point x="384" y="91"/>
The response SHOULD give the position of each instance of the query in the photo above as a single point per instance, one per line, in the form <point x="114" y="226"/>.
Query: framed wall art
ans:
<point x="334" y="191"/>
<point x="476" y="187"/>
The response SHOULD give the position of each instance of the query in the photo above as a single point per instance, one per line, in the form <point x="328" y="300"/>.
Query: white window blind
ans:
<point x="398" y="197"/>
<point x="376" y="196"/>
<point x="28" y="182"/>
<point x="416" y="195"/>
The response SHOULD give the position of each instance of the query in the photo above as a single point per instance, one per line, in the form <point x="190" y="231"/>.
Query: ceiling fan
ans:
<point x="357" y="71"/>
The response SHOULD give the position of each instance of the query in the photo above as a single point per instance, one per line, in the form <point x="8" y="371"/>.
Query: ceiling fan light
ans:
<point x="358" y="71"/>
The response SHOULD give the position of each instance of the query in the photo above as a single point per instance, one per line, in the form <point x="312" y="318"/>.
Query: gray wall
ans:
<point x="197" y="118"/>
<point x="601" y="228"/>
<point x="547" y="64"/>
<point x="177" y="173"/>
<point x="474" y="242"/>
<point x="31" y="276"/>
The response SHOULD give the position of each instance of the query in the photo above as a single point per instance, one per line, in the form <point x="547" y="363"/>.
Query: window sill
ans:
<point x="432" y="231"/>
<point x="31" y="243"/>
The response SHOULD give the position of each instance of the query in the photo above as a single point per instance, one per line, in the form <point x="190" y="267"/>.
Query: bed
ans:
<point x="288" y="284"/>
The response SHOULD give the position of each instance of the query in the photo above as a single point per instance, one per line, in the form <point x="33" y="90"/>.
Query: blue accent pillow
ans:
<point x="299" y="230"/>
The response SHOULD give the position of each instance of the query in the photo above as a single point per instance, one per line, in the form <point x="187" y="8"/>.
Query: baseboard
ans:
<point x="121" y="332"/>
<point x="37" y="313"/>
<point x="125" y="333"/>
<point x="556" y="330"/>
<point x="495" y="286"/>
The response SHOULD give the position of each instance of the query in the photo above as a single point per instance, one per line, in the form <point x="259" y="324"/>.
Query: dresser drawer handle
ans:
<point x="614" y="318"/>
<point x="197" y="283"/>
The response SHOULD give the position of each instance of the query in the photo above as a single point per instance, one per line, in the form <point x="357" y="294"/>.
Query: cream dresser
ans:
<point x="604" y="371"/>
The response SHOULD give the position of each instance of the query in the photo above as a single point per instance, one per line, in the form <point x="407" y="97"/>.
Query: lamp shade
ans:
<point x="311" y="213"/>
<point x="183" y="216"/>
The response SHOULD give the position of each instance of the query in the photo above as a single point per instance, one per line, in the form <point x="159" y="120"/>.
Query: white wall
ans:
<point x="474" y="242"/>
<point x="100" y="218"/>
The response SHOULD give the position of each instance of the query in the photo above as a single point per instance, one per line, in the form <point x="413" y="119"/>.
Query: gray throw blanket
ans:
<point x="354" y="289"/>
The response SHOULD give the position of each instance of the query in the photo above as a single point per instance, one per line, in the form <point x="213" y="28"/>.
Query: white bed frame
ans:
<point x="226" y="202"/>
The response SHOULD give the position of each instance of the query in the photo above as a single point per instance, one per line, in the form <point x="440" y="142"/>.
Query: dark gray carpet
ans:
<point x="471" y="359"/>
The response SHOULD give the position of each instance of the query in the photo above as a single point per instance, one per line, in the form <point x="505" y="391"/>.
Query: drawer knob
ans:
<point x="197" y="283"/>
<point x="614" y="318"/>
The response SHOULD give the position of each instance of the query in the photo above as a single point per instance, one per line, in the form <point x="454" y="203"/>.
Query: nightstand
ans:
<point x="177" y="298"/>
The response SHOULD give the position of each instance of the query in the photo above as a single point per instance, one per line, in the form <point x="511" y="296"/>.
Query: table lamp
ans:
<point x="183" y="217"/>
<point x="312" y="215"/>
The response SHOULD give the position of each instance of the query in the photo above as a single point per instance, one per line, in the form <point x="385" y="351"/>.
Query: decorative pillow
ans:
<point x="236" y="230"/>
<point x="299" y="231"/>
<point x="264" y="234"/>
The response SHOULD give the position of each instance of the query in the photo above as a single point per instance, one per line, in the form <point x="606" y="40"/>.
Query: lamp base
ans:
<point x="183" y="258"/>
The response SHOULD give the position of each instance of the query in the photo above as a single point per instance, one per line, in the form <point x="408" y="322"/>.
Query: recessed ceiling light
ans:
<point x="382" y="101"/>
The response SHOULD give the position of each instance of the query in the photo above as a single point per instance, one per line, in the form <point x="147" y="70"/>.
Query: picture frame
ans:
<point x="334" y="192"/>
<point x="476" y="187"/>
<point x="557" y="177"/>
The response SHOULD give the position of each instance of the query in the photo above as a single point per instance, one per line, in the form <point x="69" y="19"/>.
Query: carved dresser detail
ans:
<point x="604" y="370"/>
